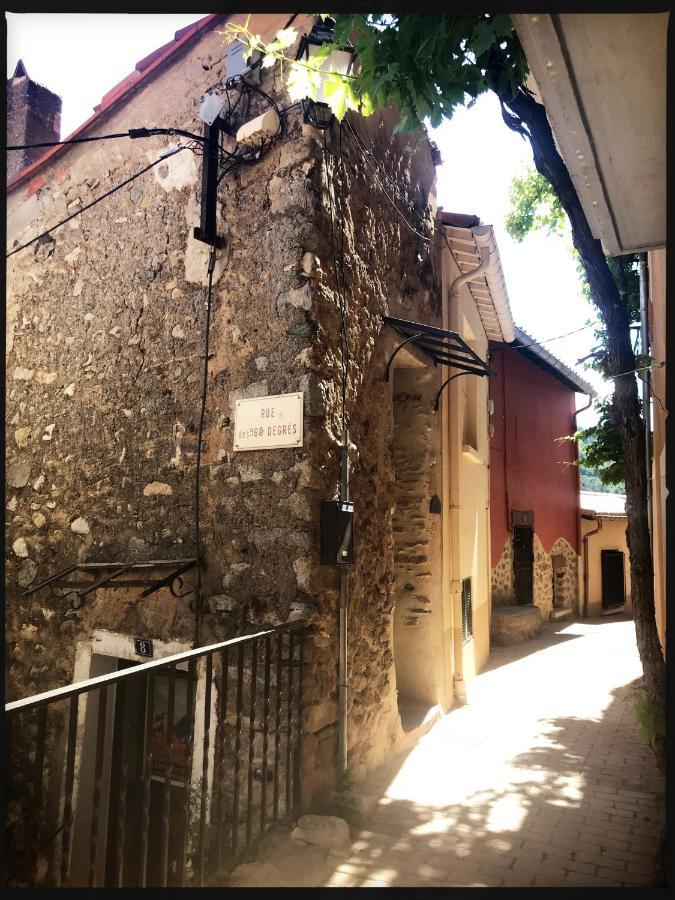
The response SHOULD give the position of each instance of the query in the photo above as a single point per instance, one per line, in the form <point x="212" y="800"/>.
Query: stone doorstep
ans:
<point x="613" y="610"/>
<point x="557" y="614"/>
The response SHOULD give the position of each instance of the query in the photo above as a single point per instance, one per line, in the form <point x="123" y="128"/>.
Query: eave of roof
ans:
<point x="557" y="368"/>
<point x="145" y="68"/>
<point x="466" y="237"/>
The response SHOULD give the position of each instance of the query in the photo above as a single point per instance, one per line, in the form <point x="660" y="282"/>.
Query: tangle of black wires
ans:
<point x="248" y="156"/>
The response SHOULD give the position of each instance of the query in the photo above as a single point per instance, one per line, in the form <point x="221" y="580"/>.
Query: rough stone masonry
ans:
<point x="105" y="342"/>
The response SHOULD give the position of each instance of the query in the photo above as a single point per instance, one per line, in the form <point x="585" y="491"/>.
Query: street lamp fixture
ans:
<point x="317" y="112"/>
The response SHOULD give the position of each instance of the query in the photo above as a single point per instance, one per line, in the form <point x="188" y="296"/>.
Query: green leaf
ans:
<point x="286" y="37"/>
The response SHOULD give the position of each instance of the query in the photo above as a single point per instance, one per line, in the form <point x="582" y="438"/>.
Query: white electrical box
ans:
<point x="253" y="133"/>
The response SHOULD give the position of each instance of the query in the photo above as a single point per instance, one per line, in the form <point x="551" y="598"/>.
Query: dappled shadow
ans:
<point x="500" y="794"/>
<point x="582" y="807"/>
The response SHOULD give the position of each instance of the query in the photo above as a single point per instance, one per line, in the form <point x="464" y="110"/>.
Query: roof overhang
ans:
<point x="602" y="79"/>
<point x="557" y="368"/>
<point x="466" y="238"/>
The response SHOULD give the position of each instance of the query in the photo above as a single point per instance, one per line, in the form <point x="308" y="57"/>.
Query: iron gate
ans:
<point x="523" y="564"/>
<point x="161" y="773"/>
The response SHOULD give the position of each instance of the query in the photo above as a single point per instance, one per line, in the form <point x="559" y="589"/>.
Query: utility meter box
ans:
<point x="337" y="532"/>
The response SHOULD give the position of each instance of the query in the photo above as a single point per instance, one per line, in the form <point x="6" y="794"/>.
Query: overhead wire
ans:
<point x="341" y="301"/>
<point x="369" y="155"/>
<point x="107" y="194"/>
<point x="132" y="133"/>
<point x="200" y="433"/>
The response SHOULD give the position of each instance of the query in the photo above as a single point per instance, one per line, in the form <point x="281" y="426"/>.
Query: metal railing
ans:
<point x="161" y="773"/>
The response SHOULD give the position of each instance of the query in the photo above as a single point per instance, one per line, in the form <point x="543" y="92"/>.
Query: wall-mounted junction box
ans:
<point x="264" y="127"/>
<point x="337" y="519"/>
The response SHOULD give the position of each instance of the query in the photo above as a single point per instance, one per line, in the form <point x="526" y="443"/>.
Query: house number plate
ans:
<point x="143" y="647"/>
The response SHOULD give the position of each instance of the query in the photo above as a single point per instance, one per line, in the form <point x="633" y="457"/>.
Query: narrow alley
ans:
<point x="541" y="779"/>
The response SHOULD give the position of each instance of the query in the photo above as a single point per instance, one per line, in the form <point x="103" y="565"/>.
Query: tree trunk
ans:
<point x="524" y="115"/>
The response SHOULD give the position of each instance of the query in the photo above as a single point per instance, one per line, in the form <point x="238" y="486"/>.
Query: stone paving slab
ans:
<point x="541" y="779"/>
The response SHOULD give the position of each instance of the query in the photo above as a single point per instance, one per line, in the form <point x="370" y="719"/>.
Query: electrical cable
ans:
<point x="654" y="394"/>
<point x="343" y="324"/>
<point x="360" y="142"/>
<point x="131" y="133"/>
<point x="344" y="349"/>
<point x="197" y="605"/>
<point x="112" y="190"/>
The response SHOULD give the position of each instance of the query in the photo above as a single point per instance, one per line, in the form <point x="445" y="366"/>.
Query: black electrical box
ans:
<point x="337" y="532"/>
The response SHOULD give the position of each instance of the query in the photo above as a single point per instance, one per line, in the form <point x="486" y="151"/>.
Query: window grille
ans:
<point x="467" y="611"/>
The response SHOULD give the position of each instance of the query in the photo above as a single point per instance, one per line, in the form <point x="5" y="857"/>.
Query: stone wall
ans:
<point x="105" y="332"/>
<point x="543" y="575"/>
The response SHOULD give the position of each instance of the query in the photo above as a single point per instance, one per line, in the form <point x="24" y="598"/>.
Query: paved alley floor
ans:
<point x="541" y="779"/>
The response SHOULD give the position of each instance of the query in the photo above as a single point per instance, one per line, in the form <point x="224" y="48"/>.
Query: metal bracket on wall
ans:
<point x="110" y="576"/>
<point x="442" y="346"/>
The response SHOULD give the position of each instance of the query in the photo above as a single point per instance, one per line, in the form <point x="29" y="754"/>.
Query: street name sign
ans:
<point x="268" y="423"/>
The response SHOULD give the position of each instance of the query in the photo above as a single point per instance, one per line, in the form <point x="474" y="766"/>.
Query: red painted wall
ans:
<point x="527" y="472"/>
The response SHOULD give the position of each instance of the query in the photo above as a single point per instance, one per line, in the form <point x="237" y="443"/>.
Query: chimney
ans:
<point x="33" y="116"/>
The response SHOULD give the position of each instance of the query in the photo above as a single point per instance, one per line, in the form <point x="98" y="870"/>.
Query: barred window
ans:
<point x="467" y="611"/>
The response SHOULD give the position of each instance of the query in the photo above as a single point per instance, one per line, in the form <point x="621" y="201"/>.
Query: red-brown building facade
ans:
<point x="534" y="487"/>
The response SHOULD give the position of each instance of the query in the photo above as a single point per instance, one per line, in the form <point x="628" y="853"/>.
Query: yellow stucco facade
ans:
<point x="611" y="536"/>
<point x="466" y="512"/>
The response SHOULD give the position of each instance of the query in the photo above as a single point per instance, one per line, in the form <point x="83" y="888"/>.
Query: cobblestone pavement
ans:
<point x="541" y="779"/>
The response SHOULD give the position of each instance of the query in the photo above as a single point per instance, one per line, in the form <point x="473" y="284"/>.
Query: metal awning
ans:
<point x="111" y="575"/>
<point x="441" y="346"/>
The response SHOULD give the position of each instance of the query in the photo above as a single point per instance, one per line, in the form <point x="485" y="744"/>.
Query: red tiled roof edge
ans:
<point x="144" y="69"/>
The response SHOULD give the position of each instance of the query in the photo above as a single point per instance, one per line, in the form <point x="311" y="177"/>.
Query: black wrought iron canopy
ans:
<point x="110" y="575"/>
<point x="442" y="346"/>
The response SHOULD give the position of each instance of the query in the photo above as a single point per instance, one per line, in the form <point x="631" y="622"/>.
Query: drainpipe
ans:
<point x="645" y="378"/>
<point x="588" y="534"/>
<point x="453" y="290"/>
<point x="576" y="453"/>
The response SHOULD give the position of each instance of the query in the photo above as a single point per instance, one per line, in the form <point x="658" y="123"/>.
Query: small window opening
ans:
<point x="467" y="611"/>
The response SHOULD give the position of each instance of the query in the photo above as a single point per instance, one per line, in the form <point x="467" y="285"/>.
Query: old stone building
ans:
<point x="105" y="351"/>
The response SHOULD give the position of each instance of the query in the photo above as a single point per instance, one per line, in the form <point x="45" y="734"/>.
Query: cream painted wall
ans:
<point x="469" y="493"/>
<point x="612" y="536"/>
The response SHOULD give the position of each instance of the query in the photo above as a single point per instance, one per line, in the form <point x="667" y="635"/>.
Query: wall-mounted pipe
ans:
<point x="578" y="466"/>
<point x="485" y="259"/>
<point x="584" y="613"/>
<point x="645" y="378"/>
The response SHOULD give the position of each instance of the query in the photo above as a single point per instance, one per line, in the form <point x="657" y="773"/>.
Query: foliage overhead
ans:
<point x="425" y="65"/>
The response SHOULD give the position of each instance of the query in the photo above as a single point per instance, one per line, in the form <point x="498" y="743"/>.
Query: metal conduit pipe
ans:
<point x="645" y="378"/>
<point x="588" y="534"/>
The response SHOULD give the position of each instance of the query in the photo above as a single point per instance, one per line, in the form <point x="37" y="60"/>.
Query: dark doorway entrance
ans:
<point x="613" y="588"/>
<point x="140" y="728"/>
<point x="523" y="564"/>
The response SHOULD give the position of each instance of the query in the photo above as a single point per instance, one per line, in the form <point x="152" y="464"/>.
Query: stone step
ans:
<point x="557" y="614"/>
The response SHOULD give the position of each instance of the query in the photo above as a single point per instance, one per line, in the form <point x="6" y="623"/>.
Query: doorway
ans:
<point x="613" y="585"/>
<point x="523" y="564"/>
<point x="141" y="727"/>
